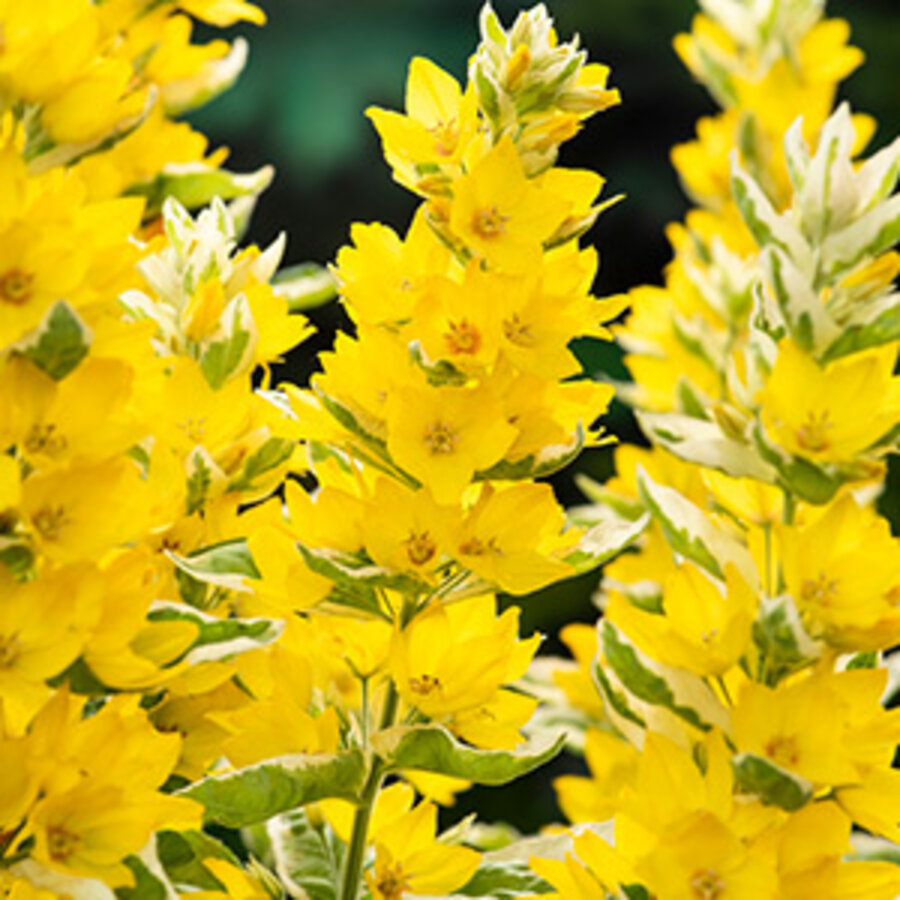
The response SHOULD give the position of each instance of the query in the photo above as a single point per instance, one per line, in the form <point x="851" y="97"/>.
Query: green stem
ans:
<point x="787" y="517"/>
<point x="356" y="849"/>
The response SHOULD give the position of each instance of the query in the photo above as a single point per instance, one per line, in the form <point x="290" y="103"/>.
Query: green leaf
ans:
<point x="607" y="538"/>
<point x="616" y="699"/>
<point x="704" y="443"/>
<point x="539" y="465"/>
<point x="226" y="565"/>
<point x="182" y="853"/>
<point x="353" y="571"/>
<point x="213" y="78"/>
<point x="308" y="857"/>
<point x="304" y="286"/>
<point x="882" y="329"/>
<point x="147" y="886"/>
<point x="505" y="881"/>
<point x="266" y="789"/>
<point x="61" y="342"/>
<point x="222" y="637"/>
<point x="271" y="454"/>
<point x="17" y="557"/>
<point x="873" y="233"/>
<point x="194" y="185"/>
<point x="783" y="644"/>
<point x="632" y="670"/>
<point x="773" y="785"/>
<point x="800" y="476"/>
<point x="690" y="533"/>
<point x="431" y="748"/>
<point x="199" y="480"/>
<point x="224" y="358"/>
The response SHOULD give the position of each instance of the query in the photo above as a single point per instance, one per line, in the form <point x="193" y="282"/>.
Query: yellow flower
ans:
<point x="442" y="436"/>
<point x="831" y="413"/>
<point x="440" y="121"/>
<point x="701" y="628"/>
<point x="501" y="216"/>
<point x="613" y="765"/>
<point x="702" y="859"/>
<point x="843" y="571"/>
<point x="80" y="512"/>
<point x="455" y="658"/>
<point x="408" y="859"/>
<point x="44" y="625"/>
<point x="83" y="418"/>
<point x="510" y="536"/>
<point x="406" y="530"/>
<point x="381" y="277"/>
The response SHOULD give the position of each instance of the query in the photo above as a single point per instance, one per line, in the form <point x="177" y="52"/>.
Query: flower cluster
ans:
<point x="131" y="434"/>
<point x="188" y="635"/>
<point x="744" y="731"/>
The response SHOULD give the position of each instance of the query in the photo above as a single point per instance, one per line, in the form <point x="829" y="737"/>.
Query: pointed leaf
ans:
<point x="305" y="286"/>
<point x="182" y="853"/>
<point x="607" y="537"/>
<point x="432" y="748"/>
<point x="690" y="533"/>
<point x="261" y="791"/>
<point x="352" y="571"/>
<point x="308" y="858"/>
<point x="773" y="785"/>
<point x="195" y="184"/>
<point x="703" y="443"/>
<point x="225" y="565"/>
<point x="61" y="342"/>
<point x="504" y="881"/>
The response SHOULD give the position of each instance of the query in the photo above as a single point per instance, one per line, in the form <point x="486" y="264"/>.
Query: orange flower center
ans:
<point x="420" y="548"/>
<point x="44" y="439"/>
<point x="463" y="337"/>
<point x="15" y="286"/>
<point x="10" y="648"/>
<point x="783" y="751"/>
<point x="812" y="435"/>
<point x="488" y="223"/>
<point x="440" y="439"/>
<point x="49" y="521"/>
<point x="706" y="884"/>
<point x="425" y="685"/>
<point x="61" y="843"/>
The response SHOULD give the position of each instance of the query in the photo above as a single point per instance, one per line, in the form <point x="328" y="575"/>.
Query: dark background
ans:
<point x="299" y="105"/>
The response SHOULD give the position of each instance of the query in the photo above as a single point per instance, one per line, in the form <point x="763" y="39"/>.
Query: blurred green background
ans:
<point x="299" y="105"/>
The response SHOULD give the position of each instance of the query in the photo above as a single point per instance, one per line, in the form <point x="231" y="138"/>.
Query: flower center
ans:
<point x="488" y="223"/>
<point x="517" y="332"/>
<point x="15" y="286"/>
<point x="61" y="843"/>
<point x="783" y="751"/>
<point x="463" y="337"/>
<point x="820" y="591"/>
<point x="477" y="547"/>
<point x="49" y="521"/>
<point x="706" y="884"/>
<point x="812" y="435"/>
<point x="390" y="883"/>
<point x="439" y="439"/>
<point x="446" y="137"/>
<point x="45" y="439"/>
<point x="420" y="548"/>
<point x="425" y="685"/>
